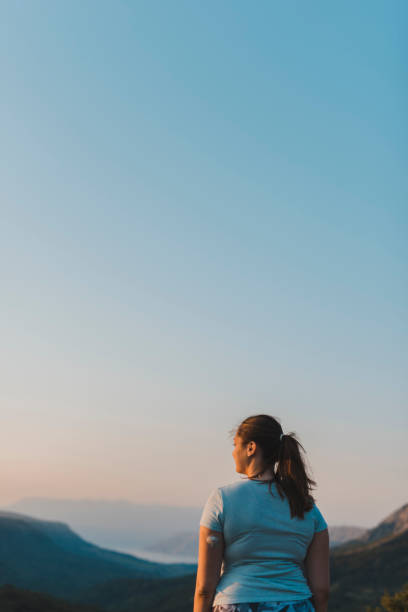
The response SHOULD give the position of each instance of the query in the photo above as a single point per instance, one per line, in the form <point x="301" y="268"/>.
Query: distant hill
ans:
<point x="48" y="557"/>
<point x="13" y="599"/>
<point x="113" y="524"/>
<point x="182" y="543"/>
<point x="339" y="534"/>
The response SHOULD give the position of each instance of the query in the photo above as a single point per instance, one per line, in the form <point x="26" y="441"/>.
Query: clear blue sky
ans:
<point x="203" y="216"/>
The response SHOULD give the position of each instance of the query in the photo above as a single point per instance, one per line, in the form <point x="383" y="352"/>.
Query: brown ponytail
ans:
<point x="284" y="458"/>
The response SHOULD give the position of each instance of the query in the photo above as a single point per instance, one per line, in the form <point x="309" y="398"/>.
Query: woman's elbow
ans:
<point x="204" y="592"/>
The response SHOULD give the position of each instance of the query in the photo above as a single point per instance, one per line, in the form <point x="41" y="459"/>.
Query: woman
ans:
<point x="263" y="548"/>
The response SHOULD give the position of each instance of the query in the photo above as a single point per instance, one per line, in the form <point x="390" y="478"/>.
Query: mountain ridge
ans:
<point x="392" y="525"/>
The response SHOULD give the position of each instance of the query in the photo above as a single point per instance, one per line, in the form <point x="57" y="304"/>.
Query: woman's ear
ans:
<point x="251" y="448"/>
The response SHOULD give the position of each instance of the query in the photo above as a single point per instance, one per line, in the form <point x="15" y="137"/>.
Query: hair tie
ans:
<point x="281" y="436"/>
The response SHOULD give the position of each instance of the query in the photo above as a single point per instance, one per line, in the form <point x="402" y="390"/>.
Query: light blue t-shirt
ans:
<point x="264" y="547"/>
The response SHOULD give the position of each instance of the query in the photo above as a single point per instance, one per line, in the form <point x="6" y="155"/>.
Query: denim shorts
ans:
<point x="305" y="605"/>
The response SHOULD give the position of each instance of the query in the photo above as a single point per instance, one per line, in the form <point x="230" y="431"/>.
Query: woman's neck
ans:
<point x="266" y="475"/>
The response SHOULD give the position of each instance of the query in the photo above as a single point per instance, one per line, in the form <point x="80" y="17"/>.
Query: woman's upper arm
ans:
<point x="317" y="562"/>
<point x="210" y="556"/>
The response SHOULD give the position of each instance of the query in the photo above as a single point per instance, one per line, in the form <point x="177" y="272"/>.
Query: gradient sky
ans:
<point x="203" y="216"/>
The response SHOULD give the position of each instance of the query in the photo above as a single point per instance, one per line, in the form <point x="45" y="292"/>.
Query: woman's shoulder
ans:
<point x="235" y="486"/>
<point x="320" y="522"/>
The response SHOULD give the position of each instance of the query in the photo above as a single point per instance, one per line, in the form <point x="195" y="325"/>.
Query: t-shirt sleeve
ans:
<point x="213" y="512"/>
<point x="320" y="522"/>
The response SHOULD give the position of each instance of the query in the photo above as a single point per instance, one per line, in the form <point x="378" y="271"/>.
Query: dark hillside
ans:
<point x="13" y="599"/>
<point x="359" y="576"/>
<point x="144" y="595"/>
